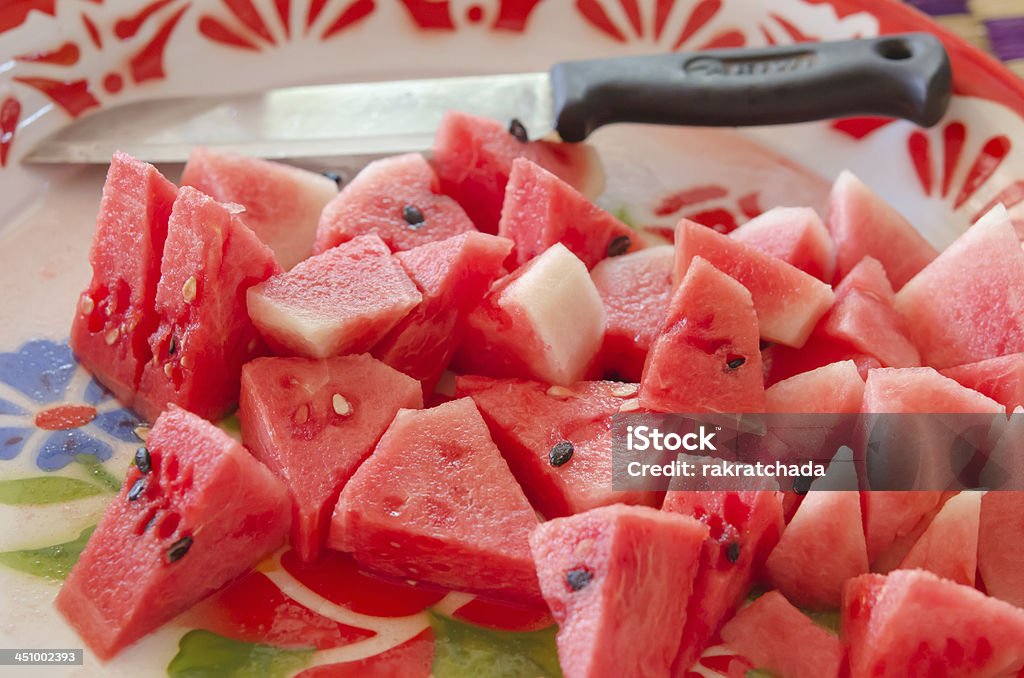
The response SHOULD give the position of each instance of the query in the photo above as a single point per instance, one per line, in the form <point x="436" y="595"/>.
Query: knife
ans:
<point x="903" y="76"/>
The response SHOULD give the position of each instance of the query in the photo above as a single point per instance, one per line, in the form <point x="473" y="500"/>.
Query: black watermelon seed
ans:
<point x="578" y="578"/>
<point x="142" y="460"/>
<point x="333" y="176"/>
<point x="801" y="484"/>
<point x="619" y="245"/>
<point x="561" y="453"/>
<point x="517" y="129"/>
<point x="179" y="549"/>
<point x="735" y="363"/>
<point x="172" y="346"/>
<point x="137" y="489"/>
<point x="732" y="552"/>
<point x="413" y="216"/>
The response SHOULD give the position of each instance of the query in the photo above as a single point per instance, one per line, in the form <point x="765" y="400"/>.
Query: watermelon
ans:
<point x="864" y="225"/>
<point x="398" y="199"/>
<point x="341" y="301"/>
<point x="706" y="357"/>
<point x="782" y="362"/>
<point x="833" y="388"/>
<point x="313" y="421"/>
<point x="744" y="528"/>
<point x="788" y="301"/>
<point x="777" y="637"/>
<point x="1000" y="378"/>
<point x="912" y="623"/>
<point x="114" y="316"/>
<point x="196" y="511"/>
<point x="435" y="502"/>
<point x="949" y="546"/>
<point x="528" y="420"/>
<point x="540" y="210"/>
<point x="204" y="335"/>
<point x="618" y="580"/>
<point x="543" y="321"/>
<point x="796" y="235"/>
<point x="922" y="390"/>
<point x="282" y="203"/>
<point x="453" y="275"/>
<point x="891" y="557"/>
<point x="1000" y="548"/>
<point x="473" y="158"/>
<point x="635" y="290"/>
<point x="982" y="311"/>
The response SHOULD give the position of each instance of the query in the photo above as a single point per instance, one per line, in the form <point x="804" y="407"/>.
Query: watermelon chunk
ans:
<point x="313" y="422"/>
<point x="114" y="317"/>
<point x="341" y="301"/>
<point x="777" y="637"/>
<point x="195" y="512"/>
<point x="1000" y="548"/>
<point x="982" y="311"/>
<point x="543" y="321"/>
<point x="949" y="547"/>
<point x="635" y="290"/>
<point x="796" y="235"/>
<point x="834" y="388"/>
<point x="398" y="199"/>
<point x="436" y="502"/>
<point x="782" y="362"/>
<point x="923" y="390"/>
<point x="282" y="203"/>
<point x="527" y="420"/>
<point x="1000" y="378"/>
<point x="864" y="225"/>
<point x="912" y="623"/>
<point x="204" y="335"/>
<point x="707" y="355"/>
<point x="473" y="157"/>
<point x="540" y="210"/>
<point x="788" y="301"/>
<point x="605" y="574"/>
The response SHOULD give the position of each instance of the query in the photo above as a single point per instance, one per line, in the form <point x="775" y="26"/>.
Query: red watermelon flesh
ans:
<point x="527" y="419"/>
<point x="981" y="314"/>
<point x="1000" y="378"/>
<point x="313" y="422"/>
<point x="777" y="637"/>
<point x="344" y="300"/>
<point x="744" y="528"/>
<point x="949" y="547"/>
<point x="864" y="225"/>
<point x="794" y="234"/>
<point x="205" y="335"/>
<point x="902" y="509"/>
<point x="788" y="301"/>
<point x="453" y="275"/>
<point x="922" y="390"/>
<point x="783" y="362"/>
<point x="706" y="357"/>
<point x="205" y="513"/>
<point x="912" y="623"/>
<point x="834" y="388"/>
<point x="618" y="580"/>
<point x="114" y="316"/>
<point x="540" y="209"/>
<point x="282" y="203"/>
<point x="473" y="158"/>
<point x="436" y="502"/>
<point x="635" y="289"/>
<point x="1000" y="548"/>
<point x="378" y="199"/>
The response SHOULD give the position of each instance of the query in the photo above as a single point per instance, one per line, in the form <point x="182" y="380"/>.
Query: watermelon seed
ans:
<point x="559" y="392"/>
<point x="172" y="346"/>
<point x="578" y="578"/>
<point x="179" y="549"/>
<point x="619" y="245"/>
<point x="335" y="177"/>
<point x="561" y="453"/>
<point x="517" y="129"/>
<point x="168" y="369"/>
<point x="631" y="405"/>
<point x="413" y="216"/>
<point x="184" y="361"/>
<point x="112" y="336"/>
<point x="735" y="363"/>
<point x="142" y="460"/>
<point x="801" y="484"/>
<point x="341" y="405"/>
<point x="625" y="390"/>
<point x="188" y="289"/>
<point x="137" y="489"/>
<point x="302" y="414"/>
<point x="142" y="432"/>
<point x="87" y="305"/>
<point x="733" y="552"/>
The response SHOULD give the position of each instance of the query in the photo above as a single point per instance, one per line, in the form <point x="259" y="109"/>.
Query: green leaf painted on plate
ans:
<point x="465" y="651"/>
<point x="98" y="472"/>
<point x="760" y="673"/>
<point x="45" y="490"/>
<point x="622" y="214"/>
<point x="49" y="562"/>
<point x="203" y="654"/>
<point x="827" y="620"/>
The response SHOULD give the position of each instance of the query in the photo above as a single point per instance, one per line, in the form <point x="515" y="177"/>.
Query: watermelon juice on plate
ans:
<point x="418" y="479"/>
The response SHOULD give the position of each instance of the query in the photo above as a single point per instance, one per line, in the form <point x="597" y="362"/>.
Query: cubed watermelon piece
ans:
<point x="540" y="210"/>
<point x="344" y="300"/>
<point x="782" y="362"/>
<point x="453" y="275"/>
<point x="635" y="289"/>
<point x="528" y="420"/>
<point x="777" y="637"/>
<point x="436" y="502"/>
<point x="618" y="580"/>
<point x="834" y="388"/>
<point x="797" y="235"/>
<point x="543" y="321"/>
<point x="894" y="521"/>
<point x="195" y="512"/>
<point x="949" y="547"/>
<point x="313" y="422"/>
<point x="282" y="203"/>
<point x="1000" y="548"/>
<point x="981" y="314"/>
<point x="864" y="225"/>
<point x="398" y="199"/>
<point x="788" y="301"/>
<point x="912" y="623"/>
<point x="706" y="357"/>
<point x="114" y="317"/>
<point x="473" y="157"/>
<point x="922" y="390"/>
<point x="204" y="335"/>
<point x="1000" y="378"/>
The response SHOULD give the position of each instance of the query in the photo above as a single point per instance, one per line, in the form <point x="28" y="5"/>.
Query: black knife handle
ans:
<point x="901" y="76"/>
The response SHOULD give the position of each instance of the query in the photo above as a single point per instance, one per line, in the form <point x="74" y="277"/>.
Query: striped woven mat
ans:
<point x="996" y="26"/>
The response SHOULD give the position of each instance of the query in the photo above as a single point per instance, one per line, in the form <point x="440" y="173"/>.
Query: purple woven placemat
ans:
<point x="995" y="25"/>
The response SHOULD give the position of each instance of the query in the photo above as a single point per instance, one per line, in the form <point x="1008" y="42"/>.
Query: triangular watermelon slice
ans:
<point x="1000" y="548"/>
<point x="894" y="521"/>
<point x="435" y="502"/>
<point x="706" y="357"/>
<point x="834" y="388"/>
<point x="313" y="422"/>
<point x="949" y="547"/>
<point x="606" y="575"/>
<point x="796" y="235"/>
<point x="1000" y="378"/>
<point x="195" y="512"/>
